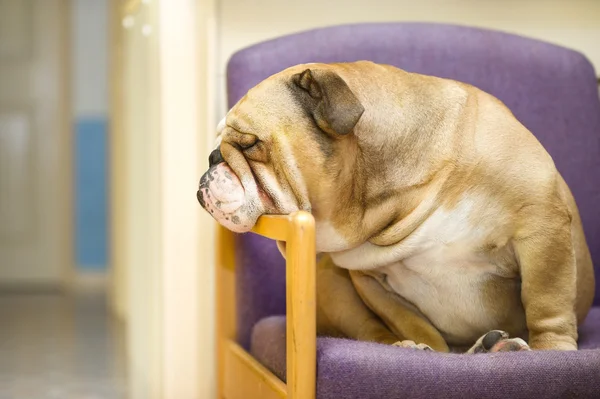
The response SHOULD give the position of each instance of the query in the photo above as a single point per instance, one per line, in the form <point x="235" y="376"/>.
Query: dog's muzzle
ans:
<point x="221" y="193"/>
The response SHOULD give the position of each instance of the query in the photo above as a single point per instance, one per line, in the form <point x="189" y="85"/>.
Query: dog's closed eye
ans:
<point x="246" y="146"/>
<point x="246" y="141"/>
<point x="255" y="152"/>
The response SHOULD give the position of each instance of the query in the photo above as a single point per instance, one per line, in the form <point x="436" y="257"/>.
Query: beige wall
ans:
<point x="572" y="23"/>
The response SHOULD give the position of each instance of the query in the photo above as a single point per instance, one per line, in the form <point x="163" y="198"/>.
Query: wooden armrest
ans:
<point x="298" y="231"/>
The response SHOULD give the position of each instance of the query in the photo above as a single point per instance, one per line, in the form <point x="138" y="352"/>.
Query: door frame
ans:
<point x="169" y="310"/>
<point x="117" y="279"/>
<point x="68" y="215"/>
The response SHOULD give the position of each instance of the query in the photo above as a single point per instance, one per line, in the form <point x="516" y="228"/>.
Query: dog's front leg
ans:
<point x="340" y="310"/>
<point x="404" y="322"/>
<point x="548" y="275"/>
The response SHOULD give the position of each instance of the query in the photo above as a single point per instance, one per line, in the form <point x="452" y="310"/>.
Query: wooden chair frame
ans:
<point x="240" y="376"/>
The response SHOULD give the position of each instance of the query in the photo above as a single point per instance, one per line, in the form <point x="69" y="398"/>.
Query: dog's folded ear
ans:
<point x="331" y="102"/>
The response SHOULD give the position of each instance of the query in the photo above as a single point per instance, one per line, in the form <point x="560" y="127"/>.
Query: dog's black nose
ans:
<point x="215" y="158"/>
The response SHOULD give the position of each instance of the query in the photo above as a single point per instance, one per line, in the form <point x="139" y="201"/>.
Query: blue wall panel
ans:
<point x="91" y="193"/>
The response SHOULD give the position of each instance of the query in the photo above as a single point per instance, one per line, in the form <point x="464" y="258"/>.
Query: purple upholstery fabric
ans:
<point x="360" y="370"/>
<point x="260" y="283"/>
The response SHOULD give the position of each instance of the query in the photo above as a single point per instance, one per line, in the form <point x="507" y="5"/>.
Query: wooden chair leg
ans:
<point x="225" y="303"/>
<point x="301" y="303"/>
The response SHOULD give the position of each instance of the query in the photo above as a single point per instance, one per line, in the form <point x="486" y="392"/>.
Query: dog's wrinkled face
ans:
<point x="274" y="152"/>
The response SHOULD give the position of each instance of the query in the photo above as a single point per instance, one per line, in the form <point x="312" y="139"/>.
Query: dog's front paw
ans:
<point x="498" y="341"/>
<point x="412" y="345"/>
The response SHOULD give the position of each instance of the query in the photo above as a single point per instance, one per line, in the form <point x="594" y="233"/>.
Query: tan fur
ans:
<point x="426" y="150"/>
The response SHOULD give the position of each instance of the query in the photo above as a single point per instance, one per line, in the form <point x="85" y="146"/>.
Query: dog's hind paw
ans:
<point x="498" y="341"/>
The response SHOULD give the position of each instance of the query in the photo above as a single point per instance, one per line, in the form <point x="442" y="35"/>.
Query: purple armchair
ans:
<point x="551" y="90"/>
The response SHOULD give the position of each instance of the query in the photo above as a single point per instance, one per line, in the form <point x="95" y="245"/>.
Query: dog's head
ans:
<point x="282" y="147"/>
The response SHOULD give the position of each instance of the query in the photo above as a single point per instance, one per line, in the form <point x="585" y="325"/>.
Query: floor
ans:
<point x="60" y="346"/>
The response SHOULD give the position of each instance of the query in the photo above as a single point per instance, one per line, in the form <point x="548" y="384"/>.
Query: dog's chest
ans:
<point x="445" y="272"/>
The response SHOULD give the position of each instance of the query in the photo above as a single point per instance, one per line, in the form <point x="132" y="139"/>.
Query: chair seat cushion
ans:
<point x="361" y="370"/>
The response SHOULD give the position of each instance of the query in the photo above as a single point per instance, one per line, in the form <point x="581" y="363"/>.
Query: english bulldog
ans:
<point x="443" y="222"/>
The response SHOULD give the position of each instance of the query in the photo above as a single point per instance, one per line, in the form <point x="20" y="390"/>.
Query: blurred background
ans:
<point x="107" y="112"/>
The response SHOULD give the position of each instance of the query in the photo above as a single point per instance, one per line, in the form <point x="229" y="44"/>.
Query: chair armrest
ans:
<point x="298" y="231"/>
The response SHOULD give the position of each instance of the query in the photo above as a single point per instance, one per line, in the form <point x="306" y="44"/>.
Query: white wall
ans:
<point x="572" y="23"/>
<point x="90" y="33"/>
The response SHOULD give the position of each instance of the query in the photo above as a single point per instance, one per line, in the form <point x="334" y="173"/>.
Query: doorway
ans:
<point x="35" y="152"/>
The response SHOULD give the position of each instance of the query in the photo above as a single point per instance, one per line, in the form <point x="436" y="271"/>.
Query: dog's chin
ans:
<point x="233" y="205"/>
<point x="243" y="227"/>
<point x="238" y="216"/>
<point x="222" y="195"/>
<point x="238" y="221"/>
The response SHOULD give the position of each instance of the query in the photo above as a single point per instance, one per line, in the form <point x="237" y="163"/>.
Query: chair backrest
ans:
<point x="550" y="89"/>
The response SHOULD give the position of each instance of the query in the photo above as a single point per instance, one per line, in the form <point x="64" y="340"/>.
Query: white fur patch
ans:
<point x="220" y="128"/>
<point x="221" y="125"/>
<point x="441" y="229"/>
<point x="328" y="238"/>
